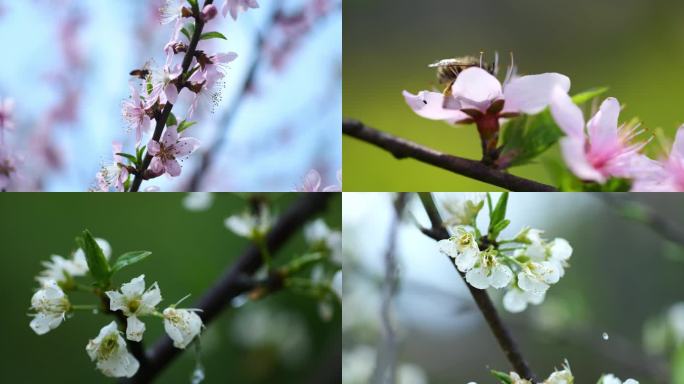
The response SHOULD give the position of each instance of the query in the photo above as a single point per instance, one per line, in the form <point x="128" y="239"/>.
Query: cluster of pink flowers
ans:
<point x="594" y="151"/>
<point x="157" y="90"/>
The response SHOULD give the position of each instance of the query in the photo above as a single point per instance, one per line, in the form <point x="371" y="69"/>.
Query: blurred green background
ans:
<point x="190" y="250"/>
<point x="635" y="47"/>
<point x="624" y="279"/>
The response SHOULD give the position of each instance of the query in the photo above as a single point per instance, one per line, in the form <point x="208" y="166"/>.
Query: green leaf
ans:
<point x="212" y="35"/>
<point x="503" y="378"/>
<point x="131" y="158"/>
<point x="528" y="136"/>
<point x="185" y="125"/>
<point x="494" y="233"/>
<point x="171" y="121"/>
<point x="97" y="262"/>
<point x="129" y="258"/>
<point x="188" y="30"/>
<point x="498" y="215"/>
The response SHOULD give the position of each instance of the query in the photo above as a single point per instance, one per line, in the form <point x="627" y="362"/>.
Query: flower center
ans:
<point x="6" y="168"/>
<point x="134" y="305"/>
<point x="108" y="347"/>
<point x="166" y="153"/>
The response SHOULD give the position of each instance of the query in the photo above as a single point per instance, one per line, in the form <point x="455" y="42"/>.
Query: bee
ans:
<point x="449" y="69"/>
<point x="140" y="73"/>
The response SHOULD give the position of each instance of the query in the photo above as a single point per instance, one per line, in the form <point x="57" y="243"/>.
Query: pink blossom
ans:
<point x="135" y="114"/>
<point x="209" y="12"/>
<point x="312" y="183"/>
<point x="605" y="150"/>
<point x="167" y="152"/>
<point x="478" y="90"/>
<point x="670" y="176"/>
<point x="114" y="174"/>
<point x="164" y="86"/>
<point x="171" y="11"/>
<point x="236" y="6"/>
<point x="7" y="168"/>
<point x="6" y="109"/>
<point x="215" y="69"/>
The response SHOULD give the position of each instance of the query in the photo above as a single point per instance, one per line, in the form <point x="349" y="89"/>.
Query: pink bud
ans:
<point x="209" y="12"/>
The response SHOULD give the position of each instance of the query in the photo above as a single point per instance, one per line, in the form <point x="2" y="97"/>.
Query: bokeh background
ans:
<point x="67" y="67"/>
<point x="281" y="338"/>
<point x="634" y="47"/>
<point x="624" y="281"/>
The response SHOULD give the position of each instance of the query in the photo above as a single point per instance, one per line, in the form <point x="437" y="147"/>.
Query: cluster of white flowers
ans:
<point x="320" y="237"/>
<point x="51" y="305"/>
<point x="563" y="376"/>
<point x="525" y="266"/>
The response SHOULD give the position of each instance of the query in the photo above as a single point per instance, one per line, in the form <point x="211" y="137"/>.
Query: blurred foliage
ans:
<point x="189" y="251"/>
<point x="629" y="46"/>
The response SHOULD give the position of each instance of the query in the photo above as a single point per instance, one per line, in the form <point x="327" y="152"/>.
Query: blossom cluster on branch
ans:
<point x="563" y="376"/>
<point x="131" y="302"/>
<point x="520" y="118"/>
<point x="525" y="266"/>
<point x="158" y="88"/>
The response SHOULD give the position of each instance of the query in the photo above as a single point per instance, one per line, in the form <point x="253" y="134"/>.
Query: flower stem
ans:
<point x="488" y="128"/>
<point x="83" y="307"/>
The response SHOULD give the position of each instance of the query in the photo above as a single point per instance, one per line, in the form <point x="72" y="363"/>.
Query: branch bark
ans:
<point x="166" y="112"/>
<point x="401" y="149"/>
<point x="484" y="303"/>
<point x="232" y="283"/>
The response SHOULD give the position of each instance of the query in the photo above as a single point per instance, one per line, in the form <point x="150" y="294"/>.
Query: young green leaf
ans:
<point x="171" y="121"/>
<point x="185" y="125"/>
<point x="498" y="214"/>
<point x="97" y="262"/>
<point x="129" y="258"/>
<point x="494" y="232"/>
<point x="502" y="377"/>
<point x="130" y="157"/>
<point x="212" y="35"/>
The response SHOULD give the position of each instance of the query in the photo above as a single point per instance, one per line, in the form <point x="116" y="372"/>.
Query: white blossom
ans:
<point x="134" y="301"/>
<point x="249" y="224"/>
<point x="537" y="277"/>
<point x="182" y="325"/>
<point x="61" y="269"/>
<point x="612" y="379"/>
<point x="515" y="300"/>
<point x="51" y="305"/>
<point x="318" y="233"/>
<point x="108" y="349"/>
<point x="488" y="271"/>
<point x="461" y="247"/>
<point x="461" y="208"/>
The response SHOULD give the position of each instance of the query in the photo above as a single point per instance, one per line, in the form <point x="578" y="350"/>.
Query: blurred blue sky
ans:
<point x="289" y="125"/>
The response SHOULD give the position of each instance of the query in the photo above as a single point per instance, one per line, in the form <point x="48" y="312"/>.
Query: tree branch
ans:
<point x="166" y="112"/>
<point x="402" y="149"/>
<point x="232" y="283"/>
<point x="484" y="303"/>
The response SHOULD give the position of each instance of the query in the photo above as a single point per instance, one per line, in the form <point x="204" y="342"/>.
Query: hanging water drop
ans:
<point x="605" y="336"/>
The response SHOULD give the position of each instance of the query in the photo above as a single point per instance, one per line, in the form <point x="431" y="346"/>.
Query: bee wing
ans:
<point x="443" y="63"/>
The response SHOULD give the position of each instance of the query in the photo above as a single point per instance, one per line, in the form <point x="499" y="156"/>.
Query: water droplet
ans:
<point x="605" y="336"/>
<point x="95" y="311"/>
<point x="197" y="375"/>
<point x="239" y="301"/>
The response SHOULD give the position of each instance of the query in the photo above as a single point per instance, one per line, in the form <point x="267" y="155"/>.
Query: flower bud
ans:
<point x="209" y="12"/>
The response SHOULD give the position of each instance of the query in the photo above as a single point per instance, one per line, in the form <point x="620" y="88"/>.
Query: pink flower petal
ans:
<point x="172" y="167"/>
<point x="576" y="159"/>
<point x="430" y="106"/>
<point x="156" y="165"/>
<point x="678" y="145"/>
<point x="185" y="146"/>
<point x="531" y="94"/>
<point x="478" y="87"/>
<point x="171" y="93"/>
<point x="153" y="147"/>
<point x="603" y="127"/>
<point x="312" y="181"/>
<point x="169" y="137"/>
<point x="568" y="116"/>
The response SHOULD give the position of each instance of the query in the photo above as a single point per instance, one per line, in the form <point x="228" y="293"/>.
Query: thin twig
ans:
<point x="477" y="170"/>
<point x="484" y="303"/>
<point x="232" y="283"/>
<point x="385" y="365"/>
<point x="166" y="112"/>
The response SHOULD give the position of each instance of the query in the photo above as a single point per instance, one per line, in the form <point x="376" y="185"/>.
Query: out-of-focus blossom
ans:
<point x="252" y="225"/>
<point x="606" y="150"/>
<point x="169" y="150"/>
<point x="670" y="176"/>
<point x="198" y="201"/>
<point x="6" y="111"/>
<point x="237" y="6"/>
<point x="7" y="167"/>
<point x="171" y="11"/>
<point x="313" y="183"/>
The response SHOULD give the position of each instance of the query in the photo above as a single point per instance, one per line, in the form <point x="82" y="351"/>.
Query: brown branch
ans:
<point x="166" y="112"/>
<point x="484" y="303"/>
<point x="232" y="283"/>
<point x="401" y="149"/>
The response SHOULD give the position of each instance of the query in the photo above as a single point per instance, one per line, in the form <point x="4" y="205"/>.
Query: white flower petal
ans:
<point x="135" y="287"/>
<point x="514" y="301"/>
<point x="134" y="328"/>
<point x="500" y="276"/>
<point x="477" y="277"/>
<point x="531" y="94"/>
